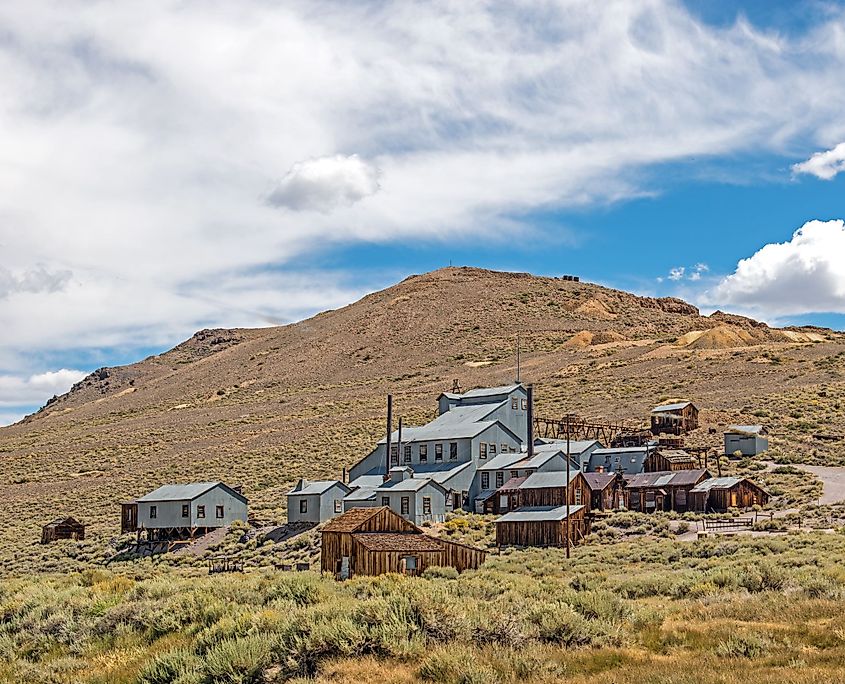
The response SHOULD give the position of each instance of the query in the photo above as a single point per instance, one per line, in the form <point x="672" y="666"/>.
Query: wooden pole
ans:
<point x="567" y="487"/>
<point x="389" y="434"/>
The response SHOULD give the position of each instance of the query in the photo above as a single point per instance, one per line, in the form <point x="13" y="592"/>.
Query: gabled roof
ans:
<point x="67" y="520"/>
<point x="483" y="392"/>
<point x="723" y="483"/>
<point x="666" y="478"/>
<point x="677" y="455"/>
<point x="502" y="461"/>
<point x="397" y="541"/>
<point x="539" y="514"/>
<point x="317" y="487"/>
<point x="512" y="485"/>
<point x="353" y="519"/>
<point x="361" y="494"/>
<point x="672" y="407"/>
<point x="598" y="481"/>
<point x="544" y="453"/>
<point x="410" y="484"/>
<point x="440" y="472"/>
<point x="372" y="479"/>
<point x="443" y="430"/>
<point x="546" y="480"/>
<point x="186" y="492"/>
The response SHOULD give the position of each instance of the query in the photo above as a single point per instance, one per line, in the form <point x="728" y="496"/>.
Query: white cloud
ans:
<point x="142" y="162"/>
<point x="824" y="165"/>
<point x="804" y="275"/>
<point x="677" y="273"/>
<point x="326" y="183"/>
<point x="36" y="389"/>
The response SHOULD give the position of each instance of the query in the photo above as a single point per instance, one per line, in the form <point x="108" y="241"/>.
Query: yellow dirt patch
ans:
<point x="597" y="309"/>
<point x="579" y="340"/>
<point x="477" y="364"/>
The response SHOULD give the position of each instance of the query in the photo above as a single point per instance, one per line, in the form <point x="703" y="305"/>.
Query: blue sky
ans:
<point x="289" y="159"/>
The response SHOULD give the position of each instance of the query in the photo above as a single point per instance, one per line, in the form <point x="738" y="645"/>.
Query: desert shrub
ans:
<point x="456" y="665"/>
<point x="436" y="572"/>
<point x="239" y="661"/>
<point x="558" y="623"/>
<point x="170" y="666"/>
<point x="743" y="646"/>
<point x="302" y="589"/>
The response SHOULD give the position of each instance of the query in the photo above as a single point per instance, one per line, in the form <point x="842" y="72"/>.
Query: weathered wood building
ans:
<point x="674" y="419"/>
<point x="550" y="489"/>
<point x="663" y="491"/>
<point x="669" y="460"/>
<point x="718" y="494"/>
<point x="62" y="528"/>
<point x="375" y="541"/>
<point x="607" y="490"/>
<point x="542" y="526"/>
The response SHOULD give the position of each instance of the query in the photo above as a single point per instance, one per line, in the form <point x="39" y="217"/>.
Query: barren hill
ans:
<point x="262" y="407"/>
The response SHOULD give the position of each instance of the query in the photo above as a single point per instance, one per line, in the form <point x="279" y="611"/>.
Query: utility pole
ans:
<point x="517" y="356"/>
<point x="567" y="485"/>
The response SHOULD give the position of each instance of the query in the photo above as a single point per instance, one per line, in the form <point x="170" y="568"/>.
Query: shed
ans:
<point x="316" y="501"/>
<point x="374" y="541"/>
<point x="664" y="460"/>
<point x="749" y="440"/>
<point x="718" y="494"/>
<point x="550" y="489"/>
<point x="606" y="490"/>
<point x="662" y="491"/>
<point x="676" y="419"/>
<point x="62" y="528"/>
<point x="542" y="526"/>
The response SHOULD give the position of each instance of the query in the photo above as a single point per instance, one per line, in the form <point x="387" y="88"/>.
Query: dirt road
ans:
<point x="833" y="480"/>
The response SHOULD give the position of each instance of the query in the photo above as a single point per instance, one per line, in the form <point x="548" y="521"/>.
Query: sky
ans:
<point x="170" y="166"/>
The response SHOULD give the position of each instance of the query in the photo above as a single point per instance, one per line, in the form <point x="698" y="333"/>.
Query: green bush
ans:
<point x="239" y="661"/>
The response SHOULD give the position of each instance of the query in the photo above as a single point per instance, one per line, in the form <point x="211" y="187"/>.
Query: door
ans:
<point x="456" y="501"/>
<point x="733" y="499"/>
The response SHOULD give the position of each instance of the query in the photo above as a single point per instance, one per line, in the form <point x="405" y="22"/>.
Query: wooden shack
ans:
<point x="718" y="494"/>
<point x="550" y="489"/>
<point x="662" y="491"/>
<point x="542" y="526"/>
<point x="670" y="460"/>
<point x="375" y="541"/>
<point x="606" y="490"/>
<point x="62" y="528"/>
<point x="674" y="419"/>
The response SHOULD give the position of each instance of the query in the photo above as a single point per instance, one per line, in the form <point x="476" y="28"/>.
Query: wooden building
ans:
<point x="542" y="526"/>
<point x="62" y="528"/>
<point x="674" y="419"/>
<point x="550" y="489"/>
<point x="670" y="460"/>
<point x="663" y="491"/>
<point x="607" y="490"/>
<point x="718" y="494"/>
<point x="375" y="541"/>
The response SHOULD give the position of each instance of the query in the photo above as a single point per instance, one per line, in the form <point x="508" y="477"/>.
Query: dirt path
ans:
<point x="833" y="480"/>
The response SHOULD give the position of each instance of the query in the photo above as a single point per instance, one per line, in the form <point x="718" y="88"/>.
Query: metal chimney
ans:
<point x="389" y="434"/>
<point x="399" y="444"/>
<point x="530" y="428"/>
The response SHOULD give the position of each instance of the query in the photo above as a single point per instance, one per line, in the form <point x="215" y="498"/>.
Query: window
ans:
<point x="525" y="404"/>
<point x="385" y="501"/>
<point x="453" y="451"/>
<point x="577" y="497"/>
<point x="426" y="505"/>
<point x="492" y="449"/>
<point x="514" y="473"/>
<point x="410" y="562"/>
<point x="394" y="454"/>
<point x="406" y="453"/>
<point x="219" y="511"/>
<point x="485" y="480"/>
<point x="438" y="453"/>
<point x="186" y="510"/>
<point x="423" y="453"/>
<point x="200" y="511"/>
<point x="338" y="506"/>
<point x="482" y="450"/>
<point x="303" y="505"/>
<point x="406" y="505"/>
<point x="515" y="403"/>
<point x="500" y="479"/>
<point x="513" y="449"/>
<point x="153" y="511"/>
<point x="504" y="448"/>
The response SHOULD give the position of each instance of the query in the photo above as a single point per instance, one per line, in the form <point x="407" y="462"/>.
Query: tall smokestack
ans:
<point x="530" y="429"/>
<point x="399" y="443"/>
<point x="389" y="433"/>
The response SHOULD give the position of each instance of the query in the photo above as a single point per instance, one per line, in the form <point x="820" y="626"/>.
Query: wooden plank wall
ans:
<point x="542" y="533"/>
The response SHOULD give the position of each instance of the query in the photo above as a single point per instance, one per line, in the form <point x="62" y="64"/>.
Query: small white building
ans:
<point x="749" y="440"/>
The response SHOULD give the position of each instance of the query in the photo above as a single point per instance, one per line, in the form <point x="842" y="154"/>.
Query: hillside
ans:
<point x="263" y="407"/>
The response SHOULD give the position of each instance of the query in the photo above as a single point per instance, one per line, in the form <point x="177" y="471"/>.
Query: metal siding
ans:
<point x="313" y="512"/>
<point x="233" y="509"/>
<point x="168" y="514"/>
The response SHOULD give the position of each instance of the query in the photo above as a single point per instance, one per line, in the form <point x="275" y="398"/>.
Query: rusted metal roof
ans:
<point x="676" y="478"/>
<point x="512" y="485"/>
<point x="397" y="541"/>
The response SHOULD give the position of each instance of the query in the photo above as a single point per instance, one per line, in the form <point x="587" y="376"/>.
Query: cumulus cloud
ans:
<point x="677" y="273"/>
<point x="326" y="183"/>
<point x="38" y="388"/>
<point x="804" y="275"/>
<point x="824" y="165"/>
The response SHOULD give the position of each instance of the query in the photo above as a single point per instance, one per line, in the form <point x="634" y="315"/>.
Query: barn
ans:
<point x="605" y="490"/>
<point x="718" y="494"/>
<point x="666" y="460"/>
<point x="674" y="419"/>
<point x="375" y="541"/>
<point x="62" y="528"/>
<point x="542" y="526"/>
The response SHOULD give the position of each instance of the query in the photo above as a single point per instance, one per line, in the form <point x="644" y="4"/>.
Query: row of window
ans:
<point x="220" y="511"/>
<point x="485" y="450"/>
<point x="500" y="478"/>
<point x="515" y="403"/>
<point x="422" y="453"/>
<point x="405" y="504"/>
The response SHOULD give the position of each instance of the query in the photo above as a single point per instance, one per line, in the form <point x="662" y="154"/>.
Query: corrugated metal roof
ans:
<point x="411" y="484"/>
<point x="502" y="461"/>
<point x="553" y="479"/>
<point x="539" y="514"/>
<point x="179" y="492"/>
<point x="598" y="481"/>
<point x="440" y="430"/>
<point x="671" y="407"/>
<point x="717" y="483"/>
<point x="439" y="472"/>
<point x="361" y="494"/>
<point x="317" y="487"/>
<point x="620" y="450"/>
<point x="486" y="392"/>
<point x="746" y="429"/>
<point x="371" y="479"/>
<point x="677" y="478"/>
<point x="512" y="485"/>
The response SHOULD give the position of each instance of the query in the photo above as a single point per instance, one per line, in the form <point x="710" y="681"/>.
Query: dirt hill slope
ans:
<point x="264" y="407"/>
